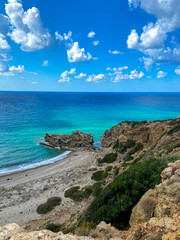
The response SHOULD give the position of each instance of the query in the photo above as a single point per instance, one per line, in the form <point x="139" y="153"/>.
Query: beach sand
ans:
<point x="21" y="192"/>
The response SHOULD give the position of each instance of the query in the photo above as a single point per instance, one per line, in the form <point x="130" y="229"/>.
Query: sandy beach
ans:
<point x="21" y="192"/>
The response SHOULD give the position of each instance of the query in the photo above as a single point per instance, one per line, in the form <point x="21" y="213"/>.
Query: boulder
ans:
<point x="75" y="141"/>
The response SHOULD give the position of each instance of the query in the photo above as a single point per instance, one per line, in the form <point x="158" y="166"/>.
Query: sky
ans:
<point x="90" y="45"/>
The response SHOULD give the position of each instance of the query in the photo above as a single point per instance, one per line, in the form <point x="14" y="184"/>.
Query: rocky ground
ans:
<point x="155" y="217"/>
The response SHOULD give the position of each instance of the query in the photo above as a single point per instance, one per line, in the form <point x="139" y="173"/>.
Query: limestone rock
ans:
<point x="14" y="232"/>
<point x="75" y="141"/>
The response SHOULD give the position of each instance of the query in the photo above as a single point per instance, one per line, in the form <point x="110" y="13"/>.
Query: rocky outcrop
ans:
<point x="158" y="211"/>
<point x="14" y="232"/>
<point x="157" y="137"/>
<point x="75" y="141"/>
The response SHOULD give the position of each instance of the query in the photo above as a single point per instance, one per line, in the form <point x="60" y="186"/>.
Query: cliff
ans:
<point x="156" y="216"/>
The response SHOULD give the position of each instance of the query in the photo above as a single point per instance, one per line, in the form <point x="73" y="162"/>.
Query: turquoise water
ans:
<point x="26" y="117"/>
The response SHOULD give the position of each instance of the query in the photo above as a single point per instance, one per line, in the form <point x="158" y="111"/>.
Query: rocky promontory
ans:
<point x="75" y="141"/>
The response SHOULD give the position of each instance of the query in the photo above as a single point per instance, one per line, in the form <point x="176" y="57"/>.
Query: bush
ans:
<point x="49" y="205"/>
<point x="137" y="148"/>
<point x="170" y="148"/>
<point x="53" y="227"/>
<point x="78" y="195"/>
<point x="99" y="175"/>
<point x="116" y="170"/>
<point x="97" y="189"/>
<point x="109" y="158"/>
<point x="174" y="129"/>
<point x="130" y="143"/>
<point x="108" y="169"/>
<point x="84" y="229"/>
<point x="114" y="204"/>
<point x="128" y="158"/>
<point x="69" y="230"/>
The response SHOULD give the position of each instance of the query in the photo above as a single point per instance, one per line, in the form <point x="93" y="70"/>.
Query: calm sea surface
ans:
<point x="26" y="117"/>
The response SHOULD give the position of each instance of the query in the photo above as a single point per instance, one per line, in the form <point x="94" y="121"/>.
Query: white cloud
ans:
<point x="65" y="75"/>
<point x="115" y="52"/>
<point x="27" y="29"/>
<point x="161" y="74"/>
<point x="117" y="74"/>
<point x="95" y="43"/>
<point x="153" y="38"/>
<point x="45" y="63"/>
<point x="177" y="70"/>
<point x="77" y="54"/>
<point x="81" y="75"/>
<point x="34" y="82"/>
<point x="95" y="78"/>
<point x="148" y="62"/>
<point x="64" y="37"/>
<point x="91" y="34"/>
<point x="133" y="39"/>
<point x="3" y="42"/>
<point x="10" y="71"/>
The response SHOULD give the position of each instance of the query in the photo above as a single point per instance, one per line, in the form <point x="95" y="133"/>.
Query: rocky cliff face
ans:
<point x="157" y="137"/>
<point x="155" y="217"/>
<point x="75" y="141"/>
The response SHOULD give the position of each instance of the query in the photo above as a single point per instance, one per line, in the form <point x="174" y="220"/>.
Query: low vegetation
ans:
<point x="99" y="175"/>
<point x="170" y="148"/>
<point x="114" y="204"/>
<point x="78" y="195"/>
<point x="174" y="129"/>
<point x="109" y="158"/>
<point x="123" y="147"/>
<point x="53" y="227"/>
<point x="49" y="205"/>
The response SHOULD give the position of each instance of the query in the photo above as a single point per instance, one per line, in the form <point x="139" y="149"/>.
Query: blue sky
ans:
<point x="92" y="45"/>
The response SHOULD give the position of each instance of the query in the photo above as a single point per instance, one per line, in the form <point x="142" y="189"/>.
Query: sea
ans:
<point x="25" y="118"/>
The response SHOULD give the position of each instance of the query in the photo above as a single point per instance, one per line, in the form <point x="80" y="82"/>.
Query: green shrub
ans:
<point x="53" y="227"/>
<point x="109" y="158"/>
<point x="97" y="188"/>
<point x="78" y="195"/>
<point x="116" y="145"/>
<point x="128" y="158"/>
<point x="170" y="148"/>
<point x="130" y="143"/>
<point x="137" y="148"/>
<point x="69" y="230"/>
<point x="108" y="169"/>
<point x="49" y="205"/>
<point x="122" y="149"/>
<point x="125" y="164"/>
<point x="114" y="204"/>
<point x="116" y="170"/>
<point x="99" y="175"/>
<point x="174" y="129"/>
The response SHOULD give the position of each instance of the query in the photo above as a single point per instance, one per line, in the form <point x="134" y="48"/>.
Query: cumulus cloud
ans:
<point x="3" y="42"/>
<point x="77" y="54"/>
<point x="115" y="52"/>
<point x="148" y="62"/>
<point x="96" y="78"/>
<point x="7" y="70"/>
<point x="45" y="63"/>
<point x="95" y="43"/>
<point x="117" y="74"/>
<point x="161" y="74"/>
<point x="27" y="29"/>
<point x="65" y="76"/>
<point x="177" y="70"/>
<point x="91" y="34"/>
<point x="154" y="35"/>
<point x="81" y="75"/>
<point x="74" y="52"/>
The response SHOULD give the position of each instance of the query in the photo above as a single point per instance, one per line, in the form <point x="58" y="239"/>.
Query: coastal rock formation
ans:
<point x="75" y="141"/>
<point x="14" y="232"/>
<point x="157" y="137"/>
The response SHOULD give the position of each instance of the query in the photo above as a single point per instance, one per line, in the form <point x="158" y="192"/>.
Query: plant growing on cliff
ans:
<point x="49" y="205"/>
<point x="109" y="158"/>
<point x="99" y="175"/>
<point x="114" y="204"/>
<point x="78" y="195"/>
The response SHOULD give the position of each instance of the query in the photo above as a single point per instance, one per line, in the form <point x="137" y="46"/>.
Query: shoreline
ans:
<point x="62" y="156"/>
<point x="26" y="175"/>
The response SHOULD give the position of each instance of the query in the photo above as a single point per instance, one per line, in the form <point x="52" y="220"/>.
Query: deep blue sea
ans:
<point x="25" y="117"/>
